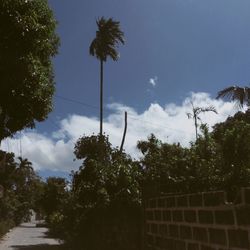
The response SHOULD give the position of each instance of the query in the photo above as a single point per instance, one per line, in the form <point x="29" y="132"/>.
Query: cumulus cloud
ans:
<point x="153" y="81"/>
<point x="169" y="123"/>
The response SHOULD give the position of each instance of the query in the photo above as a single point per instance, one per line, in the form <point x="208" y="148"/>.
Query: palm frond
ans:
<point x="236" y="93"/>
<point x="209" y="109"/>
<point x="108" y="37"/>
<point x="227" y="92"/>
<point x="189" y="115"/>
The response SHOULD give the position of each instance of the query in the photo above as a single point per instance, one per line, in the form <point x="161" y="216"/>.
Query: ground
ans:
<point x="28" y="236"/>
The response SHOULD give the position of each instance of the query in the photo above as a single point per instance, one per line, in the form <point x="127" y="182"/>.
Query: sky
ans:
<point x="176" y="51"/>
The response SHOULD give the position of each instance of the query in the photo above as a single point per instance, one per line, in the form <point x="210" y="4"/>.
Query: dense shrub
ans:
<point x="20" y="190"/>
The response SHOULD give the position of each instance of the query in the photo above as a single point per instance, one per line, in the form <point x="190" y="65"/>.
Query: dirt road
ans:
<point x="29" y="237"/>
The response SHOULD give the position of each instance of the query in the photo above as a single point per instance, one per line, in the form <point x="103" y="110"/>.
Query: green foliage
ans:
<point x="54" y="195"/>
<point x="108" y="36"/>
<point x="28" y="41"/>
<point x="241" y="95"/>
<point x="218" y="160"/>
<point x="233" y="138"/>
<point x="21" y="189"/>
<point x="106" y="196"/>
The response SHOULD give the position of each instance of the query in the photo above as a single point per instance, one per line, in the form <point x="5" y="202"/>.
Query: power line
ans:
<point x="131" y="116"/>
<point x="76" y="101"/>
<point x="54" y="123"/>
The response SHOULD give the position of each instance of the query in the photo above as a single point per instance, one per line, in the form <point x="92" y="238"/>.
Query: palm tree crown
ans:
<point x="235" y="93"/>
<point x="196" y="111"/>
<point x="108" y="36"/>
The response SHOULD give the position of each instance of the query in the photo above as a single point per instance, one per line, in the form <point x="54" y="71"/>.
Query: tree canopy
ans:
<point x="28" y="43"/>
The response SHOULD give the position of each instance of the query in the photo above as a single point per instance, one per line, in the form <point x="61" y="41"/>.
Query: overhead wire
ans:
<point x="129" y="114"/>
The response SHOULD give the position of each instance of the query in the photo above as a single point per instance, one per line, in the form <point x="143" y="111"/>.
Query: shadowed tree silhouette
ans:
<point x="196" y="111"/>
<point x="28" y="43"/>
<point x="235" y="93"/>
<point x="104" y="45"/>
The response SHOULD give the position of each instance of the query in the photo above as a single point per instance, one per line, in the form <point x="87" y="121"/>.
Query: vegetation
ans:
<point x="28" y="41"/>
<point x="104" y="45"/>
<point x="235" y="93"/>
<point x="21" y="189"/>
<point x="107" y="198"/>
<point x="101" y="208"/>
<point x="196" y="111"/>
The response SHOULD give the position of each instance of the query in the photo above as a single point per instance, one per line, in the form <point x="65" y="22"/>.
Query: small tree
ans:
<point x="196" y="111"/>
<point x="106" y="194"/>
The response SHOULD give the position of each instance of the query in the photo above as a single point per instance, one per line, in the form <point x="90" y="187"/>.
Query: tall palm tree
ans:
<point x="235" y="93"/>
<point x="196" y="111"/>
<point x="104" y="45"/>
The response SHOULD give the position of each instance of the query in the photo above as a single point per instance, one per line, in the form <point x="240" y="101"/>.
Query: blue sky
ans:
<point x="175" y="51"/>
<point x="189" y="45"/>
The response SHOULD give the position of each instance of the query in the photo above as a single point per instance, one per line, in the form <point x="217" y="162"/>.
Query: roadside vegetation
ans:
<point x="101" y="206"/>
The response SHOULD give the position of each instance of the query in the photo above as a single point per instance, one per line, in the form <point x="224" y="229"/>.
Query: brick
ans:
<point x="247" y="195"/>
<point x="150" y="215"/>
<point x="185" y="232"/>
<point x="179" y="245"/>
<point x="150" y="240"/>
<point x="154" y="228"/>
<point x="238" y="238"/>
<point x="159" y="241"/>
<point x="182" y="201"/>
<point x="193" y="246"/>
<point x="152" y="203"/>
<point x="204" y="247"/>
<point x="177" y="216"/>
<point x="167" y="215"/>
<point x="206" y="217"/>
<point x="235" y="196"/>
<point x="243" y="215"/>
<point x="200" y="234"/>
<point x="161" y="203"/>
<point x="169" y="244"/>
<point x="157" y="215"/>
<point x="170" y="201"/>
<point x="173" y="231"/>
<point x="217" y="236"/>
<point x="148" y="227"/>
<point x="195" y="200"/>
<point x="190" y="216"/>
<point x="225" y="217"/>
<point x="214" y="198"/>
<point x="163" y="229"/>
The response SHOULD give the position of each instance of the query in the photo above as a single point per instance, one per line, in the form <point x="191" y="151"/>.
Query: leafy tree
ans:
<point x="232" y="137"/>
<point x="21" y="186"/>
<point x="28" y="42"/>
<point x="54" y="195"/>
<point x="235" y="93"/>
<point x="104" y="45"/>
<point x="171" y="168"/>
<point x="106" y="195"/>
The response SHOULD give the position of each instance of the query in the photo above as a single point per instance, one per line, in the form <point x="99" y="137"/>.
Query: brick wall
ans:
<point x="203" y="221"/>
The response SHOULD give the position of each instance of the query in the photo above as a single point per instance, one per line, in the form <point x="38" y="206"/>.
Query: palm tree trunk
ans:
<point x="196" y="127"/>
<point x="101" y="98"/>
<point x="124" y="132"/>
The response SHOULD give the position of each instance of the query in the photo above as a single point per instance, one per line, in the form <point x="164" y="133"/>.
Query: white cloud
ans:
<point x="153" y="81"/>
<point x="168" y="123"/>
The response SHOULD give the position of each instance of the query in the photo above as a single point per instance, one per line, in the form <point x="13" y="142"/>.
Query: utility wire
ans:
<point x="75" y="101"/>
<point x="131" y="115"/>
